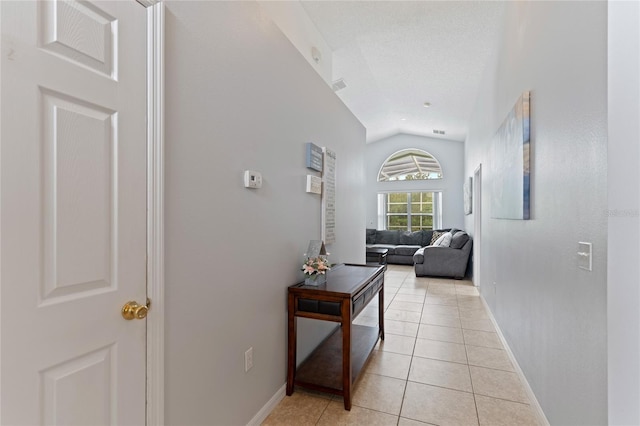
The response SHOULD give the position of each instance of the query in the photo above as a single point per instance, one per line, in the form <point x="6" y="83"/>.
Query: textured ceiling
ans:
<point x="396" y="55"/>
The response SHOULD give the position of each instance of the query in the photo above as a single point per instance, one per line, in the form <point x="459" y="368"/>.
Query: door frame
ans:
<point x="477" y="223"/>
<point x="155" y="211"/>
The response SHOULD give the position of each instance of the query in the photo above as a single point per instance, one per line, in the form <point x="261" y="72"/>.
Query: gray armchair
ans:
<point x="442" y="261"/>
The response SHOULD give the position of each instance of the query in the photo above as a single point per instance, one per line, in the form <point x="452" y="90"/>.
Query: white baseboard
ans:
<point x="533" y="401"/>
<point x="268" y="407"/>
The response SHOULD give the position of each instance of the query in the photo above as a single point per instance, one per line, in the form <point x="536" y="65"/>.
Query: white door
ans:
<point x="72" y="212"/>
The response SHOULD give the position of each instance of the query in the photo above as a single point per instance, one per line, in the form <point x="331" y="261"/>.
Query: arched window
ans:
<point x="410" y="164"/>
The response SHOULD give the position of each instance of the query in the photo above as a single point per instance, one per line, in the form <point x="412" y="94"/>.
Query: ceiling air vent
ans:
<point x="438" y="132"/>
<point x="338" y="85"/>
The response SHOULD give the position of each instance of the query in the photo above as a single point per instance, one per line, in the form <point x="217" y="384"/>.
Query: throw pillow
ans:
<point x="435" y="236"/>
<point x="426" y="237"/>
<point x="444" y="240"/>
<point x="459" y="239"/>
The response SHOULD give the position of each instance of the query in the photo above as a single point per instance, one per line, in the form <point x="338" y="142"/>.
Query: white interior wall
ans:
<point x="294" y="22"/>
<point x="553" y="314"/>
<point x="623" y="289"/>
<point x="239" y="96"/>
<point x="450" y="154"/>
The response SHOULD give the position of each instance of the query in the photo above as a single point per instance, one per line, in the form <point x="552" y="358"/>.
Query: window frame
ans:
<point x="384" y="214"/>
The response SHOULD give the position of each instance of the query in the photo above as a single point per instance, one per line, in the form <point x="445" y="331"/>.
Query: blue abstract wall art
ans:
<point x="510" y="164"/>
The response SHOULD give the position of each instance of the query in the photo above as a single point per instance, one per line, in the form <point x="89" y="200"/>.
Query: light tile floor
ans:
<point x="441" y="363"/>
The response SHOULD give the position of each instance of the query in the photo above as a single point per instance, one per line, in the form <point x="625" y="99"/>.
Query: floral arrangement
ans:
<point x="316" y="265"/>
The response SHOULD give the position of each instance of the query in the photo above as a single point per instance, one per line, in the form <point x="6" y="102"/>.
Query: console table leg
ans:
<point x="346" y="353"/>
<point x="381" y="311"/>
<point x="291" y="338"/>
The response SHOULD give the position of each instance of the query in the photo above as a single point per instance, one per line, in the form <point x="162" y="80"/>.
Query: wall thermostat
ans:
<point x="252" y="179"/>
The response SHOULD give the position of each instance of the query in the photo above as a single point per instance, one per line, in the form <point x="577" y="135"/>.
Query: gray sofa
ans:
<point x="444" y="261"/>
<point x="402" y="245"/>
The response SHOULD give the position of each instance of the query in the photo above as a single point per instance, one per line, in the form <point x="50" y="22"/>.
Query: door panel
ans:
<point x="80" y="32"/>
<point x="60" y="385"/>
<point x="72" y="212"/>
<point x="79" y="150"/>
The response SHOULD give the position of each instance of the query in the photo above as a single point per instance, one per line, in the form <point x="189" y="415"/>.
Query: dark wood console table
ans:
<point x="336" y="362"/>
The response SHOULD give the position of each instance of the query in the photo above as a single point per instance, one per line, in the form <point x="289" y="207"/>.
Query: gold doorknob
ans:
<point x="132" y="310"/>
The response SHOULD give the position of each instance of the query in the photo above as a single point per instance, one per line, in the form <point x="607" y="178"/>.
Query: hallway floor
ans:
<point x="441" y="363"/>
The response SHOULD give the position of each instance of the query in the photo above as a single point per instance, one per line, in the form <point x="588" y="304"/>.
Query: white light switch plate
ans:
<point x="584" y="256"/>
<point x="252" y="179"/>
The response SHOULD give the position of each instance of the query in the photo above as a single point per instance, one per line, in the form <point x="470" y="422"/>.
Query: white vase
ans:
<point x="315" y="279"/>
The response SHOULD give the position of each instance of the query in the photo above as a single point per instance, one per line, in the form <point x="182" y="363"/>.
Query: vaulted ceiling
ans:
<point x="395" y="56"/>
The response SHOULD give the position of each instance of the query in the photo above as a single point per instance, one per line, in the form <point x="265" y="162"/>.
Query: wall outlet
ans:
<point x="248" y="359"/>
<point x="495" y="287"/>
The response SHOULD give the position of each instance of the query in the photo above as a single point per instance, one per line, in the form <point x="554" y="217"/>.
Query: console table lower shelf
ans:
<point x="322" y="370"/>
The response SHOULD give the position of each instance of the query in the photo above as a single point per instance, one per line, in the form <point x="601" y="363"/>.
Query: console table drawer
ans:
<point x="319" y="306"/>
<point x="365" y="296"/>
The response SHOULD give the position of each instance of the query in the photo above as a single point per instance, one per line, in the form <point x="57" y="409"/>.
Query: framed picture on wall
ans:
<point x="467" y="191"/>
<point x="510" y="166"/>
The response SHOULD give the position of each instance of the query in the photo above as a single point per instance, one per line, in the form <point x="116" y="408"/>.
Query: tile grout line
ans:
<point x="473" y="390"/>
<point x="323" y="411"/>
<point x="406" y="382"/>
